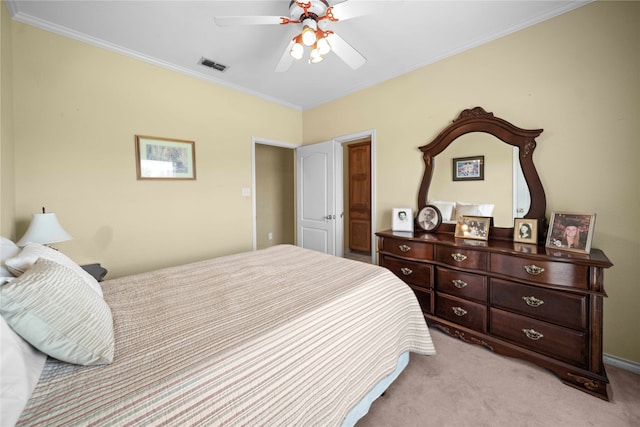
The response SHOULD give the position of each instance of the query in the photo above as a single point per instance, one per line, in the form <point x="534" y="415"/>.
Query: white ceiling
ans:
<point x="399" y="37"/>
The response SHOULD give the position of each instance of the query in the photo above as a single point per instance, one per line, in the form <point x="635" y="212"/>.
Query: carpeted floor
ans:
<point x="468" y="385"/>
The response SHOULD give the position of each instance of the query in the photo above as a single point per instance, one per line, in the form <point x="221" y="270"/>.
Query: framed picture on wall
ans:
<point x="525" y="230"/>
<point x="402" y="219"/>
<point x="165" y="158"/>
<point x="571" y="231"/>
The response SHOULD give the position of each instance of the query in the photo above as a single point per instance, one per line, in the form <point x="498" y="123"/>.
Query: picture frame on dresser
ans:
<point x="429" y="218"/>
<point x="402" y="219"/>
<point x="473" y="227"/>
<point x="525" y="230"/>
<point x="571" y="231"/>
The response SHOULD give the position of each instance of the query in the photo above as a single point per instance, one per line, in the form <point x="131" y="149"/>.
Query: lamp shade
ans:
<point x="44" y="229"/>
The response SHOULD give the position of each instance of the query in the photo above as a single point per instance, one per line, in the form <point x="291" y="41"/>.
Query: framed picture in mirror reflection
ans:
<point x="468" y="168"/>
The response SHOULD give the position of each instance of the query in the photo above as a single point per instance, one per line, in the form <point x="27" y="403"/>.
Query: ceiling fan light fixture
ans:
<point x="297" y="50"/>
<point x="315" y="56"/>
<point x="309" y="31"/>
<point x="323" y="46"/>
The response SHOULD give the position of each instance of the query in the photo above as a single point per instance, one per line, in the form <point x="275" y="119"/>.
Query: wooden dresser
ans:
<point x="520" y="300"/>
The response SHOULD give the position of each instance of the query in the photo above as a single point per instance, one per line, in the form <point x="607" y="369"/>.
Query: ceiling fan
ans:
<point x="313" y="17"/>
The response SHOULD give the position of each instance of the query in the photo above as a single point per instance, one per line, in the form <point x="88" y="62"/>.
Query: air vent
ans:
<point x="211" y="64"/>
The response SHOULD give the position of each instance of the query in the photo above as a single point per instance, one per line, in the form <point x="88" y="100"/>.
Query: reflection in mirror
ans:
<point x="503" y="186"/>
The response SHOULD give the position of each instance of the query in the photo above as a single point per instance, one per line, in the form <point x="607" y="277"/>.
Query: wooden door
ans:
<point x="360" y="196"/>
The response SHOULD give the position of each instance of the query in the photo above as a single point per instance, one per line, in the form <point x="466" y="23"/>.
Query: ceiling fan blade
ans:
<point x="224" y="21"/>
<point x="354" y="8"/>
<point x="286" y="60"/>
<point x="346" y="52"/>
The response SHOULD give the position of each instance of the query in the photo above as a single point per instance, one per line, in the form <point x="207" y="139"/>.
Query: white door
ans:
<point x="316" y="205"/>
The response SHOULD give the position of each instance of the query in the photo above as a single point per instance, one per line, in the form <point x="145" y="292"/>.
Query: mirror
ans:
<point x="508" y="151"/>
<point x="500" y="185"/>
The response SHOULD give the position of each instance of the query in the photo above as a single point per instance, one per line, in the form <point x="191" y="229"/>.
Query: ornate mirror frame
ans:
<point x="478" y="120"/>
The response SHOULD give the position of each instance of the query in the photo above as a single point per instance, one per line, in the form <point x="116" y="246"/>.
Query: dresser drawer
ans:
<point x="465" y="285"/>
<point x="562" y="343"/>
<point x="464" y="258"/>
<point x="464" y="313"/>
<point x="407" y="248"/>
<point x="553" y="273"/>
<point x="411" y="272"/>
<point x="557" y="307"/>
<point x="425" y="299"/>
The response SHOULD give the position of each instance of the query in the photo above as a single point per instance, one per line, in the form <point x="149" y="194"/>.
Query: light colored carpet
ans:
<point x="468" y="385"/>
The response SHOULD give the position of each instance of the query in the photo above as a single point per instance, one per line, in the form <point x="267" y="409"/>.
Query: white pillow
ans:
<point x="482" y="209"/>
<point x="446" y="208"/>
<point x="52" y="308"/>
<point x="486" y="209"/>
<point x="469" y="209"/>
<point x="20" y="368"/>
<point x="20" y="263"/>
<point x="7" y="250"/>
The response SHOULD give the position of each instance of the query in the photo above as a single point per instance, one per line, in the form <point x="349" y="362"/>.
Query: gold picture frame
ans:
<point x="473" y="227"/>
<point x="525" y="230"/>
<point x="165" y="158"/>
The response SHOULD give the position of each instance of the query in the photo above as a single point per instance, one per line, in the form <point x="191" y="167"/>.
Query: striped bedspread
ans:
<point x="277" y="337"/>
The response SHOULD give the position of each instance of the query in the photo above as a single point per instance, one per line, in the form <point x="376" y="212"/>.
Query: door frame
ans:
<point x="263" y="141"/>
<point x="339" y="172"/>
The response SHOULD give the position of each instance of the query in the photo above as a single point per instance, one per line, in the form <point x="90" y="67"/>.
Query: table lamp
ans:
<point x="44" y="229"/>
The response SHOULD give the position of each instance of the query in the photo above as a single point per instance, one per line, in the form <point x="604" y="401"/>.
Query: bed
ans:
<point x="281" y="336"/>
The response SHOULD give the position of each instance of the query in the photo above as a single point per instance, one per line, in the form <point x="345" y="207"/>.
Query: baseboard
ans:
<point x="627" y="365"/>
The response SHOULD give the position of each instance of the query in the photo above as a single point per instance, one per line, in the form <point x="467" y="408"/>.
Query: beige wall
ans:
<point x="7" y="184"/>
<point x="275" y="195"/>
<point x="576" y="76"/>
<point x="77" y="109"/>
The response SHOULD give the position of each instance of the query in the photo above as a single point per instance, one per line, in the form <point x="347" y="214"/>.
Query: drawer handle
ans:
<point x="404" y="248"/>
<point x="406" y="271"/>
<point x="532" y="334"/>
<point x="533" y="301"/>
<point x="459" y="311"/>
<point x="458" y="257"/>
<point x="459" y="283"/>
<point x="533" y="269"/>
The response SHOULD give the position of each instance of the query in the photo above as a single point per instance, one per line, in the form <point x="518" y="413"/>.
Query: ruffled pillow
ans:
<point x="20" y="263"/>
<point x="53" y="309"/>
